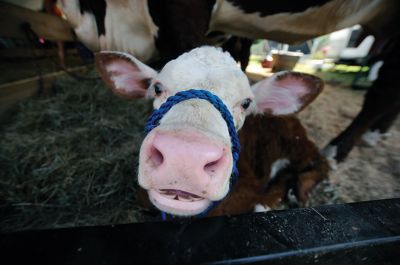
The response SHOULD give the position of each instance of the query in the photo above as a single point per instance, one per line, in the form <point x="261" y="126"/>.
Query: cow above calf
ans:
<point x="186" y="162"/>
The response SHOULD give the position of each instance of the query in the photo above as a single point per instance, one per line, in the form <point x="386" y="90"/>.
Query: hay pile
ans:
<point x="70" y="158"/>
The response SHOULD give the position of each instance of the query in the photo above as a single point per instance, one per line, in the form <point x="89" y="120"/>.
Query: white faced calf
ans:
<point x="185" y="163"/>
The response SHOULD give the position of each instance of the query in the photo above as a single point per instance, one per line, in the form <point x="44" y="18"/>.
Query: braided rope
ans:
<point x="158" y="114"/>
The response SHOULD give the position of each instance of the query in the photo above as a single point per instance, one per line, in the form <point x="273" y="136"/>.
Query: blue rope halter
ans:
<point x="158" y="114"/>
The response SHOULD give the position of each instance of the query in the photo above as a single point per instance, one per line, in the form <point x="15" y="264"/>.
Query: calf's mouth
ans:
<point x="180" y="195"/>
<point x="178" y="202"/>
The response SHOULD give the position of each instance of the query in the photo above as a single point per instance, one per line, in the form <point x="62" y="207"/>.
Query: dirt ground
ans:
<point x="369" y="173"/>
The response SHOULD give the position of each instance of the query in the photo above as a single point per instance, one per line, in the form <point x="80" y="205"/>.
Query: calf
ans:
<point x="186" y="162"/>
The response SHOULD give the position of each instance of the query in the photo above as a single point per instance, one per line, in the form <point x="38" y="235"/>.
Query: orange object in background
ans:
<point x="266" y="63"/>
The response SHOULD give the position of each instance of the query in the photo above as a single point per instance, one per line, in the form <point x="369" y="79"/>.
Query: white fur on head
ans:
<point x="207" y="68"/>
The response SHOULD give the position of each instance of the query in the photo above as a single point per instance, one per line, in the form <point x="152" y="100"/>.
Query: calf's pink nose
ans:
<point x="191" y="161"/>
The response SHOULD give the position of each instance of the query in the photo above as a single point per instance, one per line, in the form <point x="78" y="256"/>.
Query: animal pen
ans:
<point x="69" y="149"/>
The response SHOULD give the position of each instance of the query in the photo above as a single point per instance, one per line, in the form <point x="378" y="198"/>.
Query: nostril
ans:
<point x="156" y="157"/>
<point x="211" y="167"/>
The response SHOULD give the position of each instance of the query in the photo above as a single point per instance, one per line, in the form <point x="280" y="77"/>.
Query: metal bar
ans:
<point x="356" y="233"/>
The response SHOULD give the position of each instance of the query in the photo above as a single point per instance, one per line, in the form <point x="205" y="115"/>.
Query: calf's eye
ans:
<point x="157" y="89"/>
<point x="246" y="103"/>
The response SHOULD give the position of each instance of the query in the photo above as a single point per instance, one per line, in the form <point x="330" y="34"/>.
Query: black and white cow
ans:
<point x="153" y="29"/>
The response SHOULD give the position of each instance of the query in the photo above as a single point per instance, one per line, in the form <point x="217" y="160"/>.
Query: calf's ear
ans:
<point x="286" y="92"/>
<point x="124" y="74"/>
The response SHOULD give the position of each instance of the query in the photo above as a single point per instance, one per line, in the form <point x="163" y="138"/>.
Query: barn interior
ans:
<point x="69" y="147"/>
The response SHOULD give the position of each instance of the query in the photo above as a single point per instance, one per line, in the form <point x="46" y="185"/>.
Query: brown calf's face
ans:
<point x="185" y="163"/>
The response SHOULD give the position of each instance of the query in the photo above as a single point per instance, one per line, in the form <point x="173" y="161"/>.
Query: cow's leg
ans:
<point x="380" y="128"/>
<point x="312" y="174"/>
<point x="61" y="53"/>
<point x="381" y="100"/>
<point x="239" y="48"/>
<point x="296" y="178"/>
<point x="176" y="33"/>
<point x="231" y="46"/>
<point x="277" y="189"/>
<point x="245" y="53"/>
<point x="240" y="200"/>
<point x="384" y="124"/>
<point x="340" y="147"/>
<point x="375" y="109"/>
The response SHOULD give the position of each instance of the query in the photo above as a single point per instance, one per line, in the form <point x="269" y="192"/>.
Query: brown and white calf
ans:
<point x="186" y="162"/>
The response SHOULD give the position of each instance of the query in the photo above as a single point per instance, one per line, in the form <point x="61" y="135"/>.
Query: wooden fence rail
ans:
<point x="13" y="92"/>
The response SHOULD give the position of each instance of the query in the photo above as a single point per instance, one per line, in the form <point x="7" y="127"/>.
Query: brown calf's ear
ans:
<point x="124" y="74"/>
<point x="286" y="92"/>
